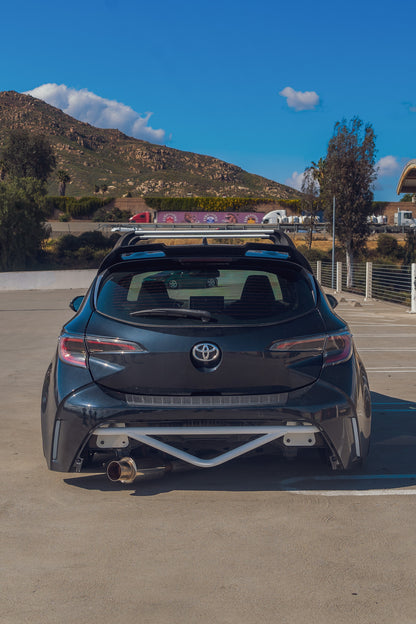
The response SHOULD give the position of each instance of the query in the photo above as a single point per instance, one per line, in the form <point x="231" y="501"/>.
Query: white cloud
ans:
<point x="387" y="166"/>
<point x="295" y="180"/>
<point x="300" y="100"/>
<point x="97" y="111"/>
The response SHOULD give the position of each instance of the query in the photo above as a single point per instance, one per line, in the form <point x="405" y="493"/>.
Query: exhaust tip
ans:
<point x="114" y="471"/>
<point x="124" y="470"/>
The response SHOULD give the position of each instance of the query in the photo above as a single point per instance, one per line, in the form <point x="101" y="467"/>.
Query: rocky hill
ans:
<point x="95" y="158"/>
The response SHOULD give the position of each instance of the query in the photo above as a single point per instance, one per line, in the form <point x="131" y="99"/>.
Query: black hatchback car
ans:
<point x="145" y="380"/>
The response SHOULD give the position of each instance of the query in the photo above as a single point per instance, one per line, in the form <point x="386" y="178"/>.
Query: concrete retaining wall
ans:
<point x="46" y="280"/>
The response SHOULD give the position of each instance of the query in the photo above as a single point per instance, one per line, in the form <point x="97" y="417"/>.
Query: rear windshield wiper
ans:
<point x="204" y="315"/>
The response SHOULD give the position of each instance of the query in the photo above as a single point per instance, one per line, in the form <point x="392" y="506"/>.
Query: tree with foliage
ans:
<point x="28" y="155"/>
<point x="310" y="202"/>
<point x="410" y="247"/>
<point x="22" y="222"/>
<point x="3" y="170"/>
<point x="348" y="173"/>
<point x="63" y="179"/>
<point x="407" y="197"/>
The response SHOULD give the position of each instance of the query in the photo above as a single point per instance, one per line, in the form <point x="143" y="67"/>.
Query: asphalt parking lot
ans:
<point x="260" y="539"/>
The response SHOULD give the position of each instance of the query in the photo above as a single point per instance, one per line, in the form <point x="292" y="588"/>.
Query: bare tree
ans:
<point x="310" y="202"/>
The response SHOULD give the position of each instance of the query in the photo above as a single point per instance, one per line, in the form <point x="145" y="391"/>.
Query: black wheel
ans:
<point x="173" y="284"/>
<point x="211" y="282"/>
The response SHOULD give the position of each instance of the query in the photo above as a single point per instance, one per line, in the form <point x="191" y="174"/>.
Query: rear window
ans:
<point x="240" y="293"/>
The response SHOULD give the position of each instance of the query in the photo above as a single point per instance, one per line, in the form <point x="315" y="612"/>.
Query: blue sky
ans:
<point x="212" y="74"/>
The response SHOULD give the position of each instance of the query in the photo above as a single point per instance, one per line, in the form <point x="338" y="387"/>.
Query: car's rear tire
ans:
<point x="173" y="284"/>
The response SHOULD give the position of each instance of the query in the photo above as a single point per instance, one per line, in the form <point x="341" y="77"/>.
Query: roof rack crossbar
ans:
<point x="134" y="235"/>
<point x="198" y="232"/>
<point x="157" y="235"/>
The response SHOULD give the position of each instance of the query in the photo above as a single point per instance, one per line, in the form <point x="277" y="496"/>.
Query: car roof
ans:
<point x="134" y="244"/>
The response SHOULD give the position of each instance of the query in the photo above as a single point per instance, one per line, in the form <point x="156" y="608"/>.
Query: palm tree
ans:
<point x="63" y="178"/>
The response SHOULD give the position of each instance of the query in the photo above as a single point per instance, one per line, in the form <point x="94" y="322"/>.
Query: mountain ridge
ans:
<point x="96" y="157"/>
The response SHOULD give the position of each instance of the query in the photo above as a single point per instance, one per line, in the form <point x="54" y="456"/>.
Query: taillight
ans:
<point x="96" y="344"/>
<point x="312" y="344"/>
<point x="75" y="350"/>
<point x="72" y="350"/>
<point x="338" y="348"/>
<point x="334" y="348"/>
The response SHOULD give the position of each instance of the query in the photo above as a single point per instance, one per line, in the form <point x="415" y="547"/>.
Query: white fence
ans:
<point x="373" y="281"/>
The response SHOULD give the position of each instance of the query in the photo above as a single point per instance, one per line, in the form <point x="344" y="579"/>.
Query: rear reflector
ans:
<point x="74" y="350"/>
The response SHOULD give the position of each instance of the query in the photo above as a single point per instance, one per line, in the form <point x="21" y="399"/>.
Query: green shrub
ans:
<point x="66" y="243"/>
<point x="319" y="254"/>
<point x="94" y="239"/>
<point x="79" y="252"/>
<point x="295" y="205"/>
<point x="112" y="215"/>
<point x="82" y="207"/>
<point x="388" y="247"/>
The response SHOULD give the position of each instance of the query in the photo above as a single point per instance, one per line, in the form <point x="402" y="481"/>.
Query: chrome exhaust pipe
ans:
<point x="126" y="470"/>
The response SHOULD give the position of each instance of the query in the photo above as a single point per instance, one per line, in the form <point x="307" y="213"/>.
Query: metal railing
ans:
<point x="390" y="282"/>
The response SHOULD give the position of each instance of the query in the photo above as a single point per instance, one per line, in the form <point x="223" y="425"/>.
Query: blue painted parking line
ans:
<point x="289" y="485"/>
<point x="395" y="408"/>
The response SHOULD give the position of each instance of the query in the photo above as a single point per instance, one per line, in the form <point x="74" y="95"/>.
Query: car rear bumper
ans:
<point x="69" y="426"/>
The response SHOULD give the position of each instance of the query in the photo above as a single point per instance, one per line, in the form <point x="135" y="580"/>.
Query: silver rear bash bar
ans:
<point x="293" y="435"/>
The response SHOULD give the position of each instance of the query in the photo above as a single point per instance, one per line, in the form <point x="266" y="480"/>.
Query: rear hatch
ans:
<point x="220" y="328"/>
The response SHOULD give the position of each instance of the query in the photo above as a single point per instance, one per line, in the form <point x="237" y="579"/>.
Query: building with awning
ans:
<point x="407" y="182"/>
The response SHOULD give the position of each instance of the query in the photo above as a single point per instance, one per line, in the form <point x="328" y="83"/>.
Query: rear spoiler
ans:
<point x="135" y="240"/>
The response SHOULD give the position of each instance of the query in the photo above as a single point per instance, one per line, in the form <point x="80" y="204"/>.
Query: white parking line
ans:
<point x="408" y="336"/>
<point x="388" y="350"/>
<point x="289" y="485"/>
<point x="383" y="324"/>
<point x="354" y="492"/>
<point x="390" y="370"/>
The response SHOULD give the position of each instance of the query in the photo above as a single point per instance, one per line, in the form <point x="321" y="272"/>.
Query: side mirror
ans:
<point x="76" y="303"/>
<point x="332" y="301"/>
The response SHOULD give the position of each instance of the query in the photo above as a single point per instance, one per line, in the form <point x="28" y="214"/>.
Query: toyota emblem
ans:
<point x="206" y="352"/>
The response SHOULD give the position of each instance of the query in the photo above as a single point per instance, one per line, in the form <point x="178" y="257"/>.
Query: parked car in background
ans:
<point x="185" y="279"/>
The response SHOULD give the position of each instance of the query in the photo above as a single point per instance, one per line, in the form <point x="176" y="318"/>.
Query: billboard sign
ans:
<point x="247" y="218"/>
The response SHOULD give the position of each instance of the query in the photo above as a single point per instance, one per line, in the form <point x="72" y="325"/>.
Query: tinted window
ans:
<point x="238" y="293"/>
